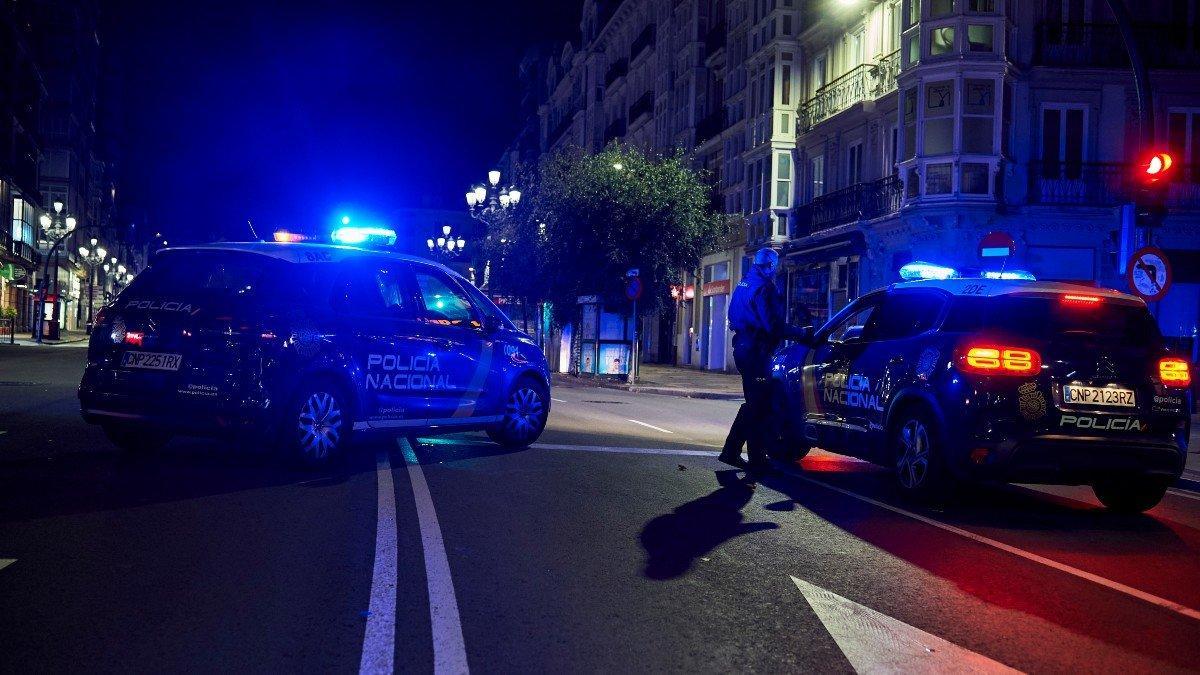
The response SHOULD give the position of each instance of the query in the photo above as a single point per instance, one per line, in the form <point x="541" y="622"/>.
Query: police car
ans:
<point x="304" y="344"/>
<point x="958" y="379"/>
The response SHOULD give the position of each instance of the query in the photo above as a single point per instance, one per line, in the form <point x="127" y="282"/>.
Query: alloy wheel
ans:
<point x="319" y="425"/>
<point x="525" y="413"/>
<point x="912" y="467"/>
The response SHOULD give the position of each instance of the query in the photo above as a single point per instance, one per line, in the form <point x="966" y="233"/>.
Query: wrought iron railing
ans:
<point x="1100" y="45"/>
<point x="862" y="201"/>
<point x="868" y="81"/>
<point x="24" y="251"/>
<point x="1104" y="184"/>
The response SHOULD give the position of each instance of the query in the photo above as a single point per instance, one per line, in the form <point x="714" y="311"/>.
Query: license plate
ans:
<point x="1108" y="396"/>
<point x="151" y="361"/>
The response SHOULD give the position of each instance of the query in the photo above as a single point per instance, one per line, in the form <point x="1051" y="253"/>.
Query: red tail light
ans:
<point x="997" y="359"/>
<point x="1081" y="300"/>
<point x="1175" y="372"/>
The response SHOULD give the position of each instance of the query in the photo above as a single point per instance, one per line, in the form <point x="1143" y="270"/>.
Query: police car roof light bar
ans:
<point x="354" y="235"/>
<point x="919" y="271"/>
<point x="1010" y="275"/>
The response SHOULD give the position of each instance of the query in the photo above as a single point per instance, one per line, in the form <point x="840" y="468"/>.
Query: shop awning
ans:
<point x="824" y="250"/>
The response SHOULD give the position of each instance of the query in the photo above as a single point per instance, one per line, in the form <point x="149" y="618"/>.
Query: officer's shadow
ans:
<point x="673" y="541"/>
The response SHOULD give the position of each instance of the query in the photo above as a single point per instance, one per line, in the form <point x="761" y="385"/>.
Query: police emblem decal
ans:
<point x="1031" y="401"/>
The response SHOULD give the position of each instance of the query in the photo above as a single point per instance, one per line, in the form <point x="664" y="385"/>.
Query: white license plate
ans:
<point x="1109" y="396"/>
<point x="151" y="361"/>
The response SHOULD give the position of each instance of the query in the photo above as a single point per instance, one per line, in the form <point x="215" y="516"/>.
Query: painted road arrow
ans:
<point x="877" y="643"/>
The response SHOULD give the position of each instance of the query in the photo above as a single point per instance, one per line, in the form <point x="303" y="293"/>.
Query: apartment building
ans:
<point x="927" y="124"/>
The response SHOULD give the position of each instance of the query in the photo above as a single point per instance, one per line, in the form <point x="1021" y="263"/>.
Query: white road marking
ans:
<point x="651" y="426"/>
<point x="379" y="640"/>
<point x="557" y="400"/>
<point x="874" y="642"/>
<point x="5" y="562"/>
<point x="1182" y="493"/>
<point x="1164" y="603"/>
<point x="632" y="451"/>
<point x="1022" y="553"/>
<point x="449" y="651"/>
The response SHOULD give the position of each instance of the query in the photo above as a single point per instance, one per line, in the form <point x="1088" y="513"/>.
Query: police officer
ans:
<point x="757" y="315"/>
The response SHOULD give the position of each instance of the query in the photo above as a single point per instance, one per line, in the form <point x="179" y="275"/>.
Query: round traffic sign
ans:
<point x="633" y="288"/>
<point x="997" y="245"/>
<point x="1149" y="273"/>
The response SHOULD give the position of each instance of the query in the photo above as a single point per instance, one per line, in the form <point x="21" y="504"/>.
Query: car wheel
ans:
<point x="317" y="424"/>
<point x="1131" y="496"/>
<point x="135" y="439"/>
<point x="525" y="413"/>
<point x="919" y="461"/>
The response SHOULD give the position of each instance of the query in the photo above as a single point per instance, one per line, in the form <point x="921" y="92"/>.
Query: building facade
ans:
<point x="855" y="136"/>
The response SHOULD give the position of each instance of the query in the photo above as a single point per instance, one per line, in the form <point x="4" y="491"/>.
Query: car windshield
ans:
<point x="1048" y="317"/>
<point x="211" y="272"/>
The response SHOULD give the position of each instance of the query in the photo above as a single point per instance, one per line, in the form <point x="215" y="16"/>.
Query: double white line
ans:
<point x="379" y="640"/>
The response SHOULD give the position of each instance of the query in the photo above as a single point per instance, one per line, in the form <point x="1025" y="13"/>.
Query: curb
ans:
<point x="643" y="389"/>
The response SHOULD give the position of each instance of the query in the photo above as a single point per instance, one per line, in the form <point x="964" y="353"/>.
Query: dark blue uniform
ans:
<point x="757" y="315"/>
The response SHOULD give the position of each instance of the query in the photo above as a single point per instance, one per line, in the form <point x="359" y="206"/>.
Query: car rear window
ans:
<point x="1047" y="318"/>
<point x="222" y="273"/>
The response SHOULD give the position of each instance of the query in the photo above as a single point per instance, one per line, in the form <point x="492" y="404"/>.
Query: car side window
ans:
<point x="445" y="303"/>
<point x="373" y="289"/>
<point x="907" y="313"/>
<point x="854" y="325"/>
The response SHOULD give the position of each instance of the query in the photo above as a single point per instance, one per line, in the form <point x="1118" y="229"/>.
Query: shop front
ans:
<point x="822" y="277"/>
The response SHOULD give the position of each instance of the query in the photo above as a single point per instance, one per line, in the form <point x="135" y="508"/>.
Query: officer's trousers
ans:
<point x="752" y="425"/>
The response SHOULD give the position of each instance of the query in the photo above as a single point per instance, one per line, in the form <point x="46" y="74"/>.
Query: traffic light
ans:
<point x="1154" y="175"/>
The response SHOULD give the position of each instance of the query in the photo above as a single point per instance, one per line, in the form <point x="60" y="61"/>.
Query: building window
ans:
<point x="941" y="41"/>
<point x="1064" y="128"/>
<point x="981" y="6"/>
<point x="783" y="184"/>
<point x="979" y="114"/>
<point x="854" y="164"/>
<point x="1183" y="130"/>
<point x="938" y="179"/>
<point x="974" y="178"/>
<point x="910" y="123"/>
<point x="912" y="183"/>
<point x="981" y="38"/>
<point x="893" y="156"/>
<point x="818" y="72"/>
<point x="785" y="73"/>
<point x="912" y="52"/>
<point x="781" y="228"/>
<point x="939" y="118"/>
<point x="912" y="12"/>
<point x="816" y="172"/>
<point x="940" y="8"/>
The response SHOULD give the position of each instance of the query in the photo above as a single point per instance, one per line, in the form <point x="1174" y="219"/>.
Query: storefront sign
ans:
<point x="715" y="288"/>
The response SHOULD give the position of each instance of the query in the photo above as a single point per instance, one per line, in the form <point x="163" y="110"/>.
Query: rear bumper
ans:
<point x="204" y="419"/>
<point x="1076" y="460"/>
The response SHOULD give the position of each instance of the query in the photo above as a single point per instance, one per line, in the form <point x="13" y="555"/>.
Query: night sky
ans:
<point x="291" y="113"/>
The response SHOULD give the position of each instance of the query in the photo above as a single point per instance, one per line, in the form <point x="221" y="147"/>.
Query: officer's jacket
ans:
<point x="757" y="309"/>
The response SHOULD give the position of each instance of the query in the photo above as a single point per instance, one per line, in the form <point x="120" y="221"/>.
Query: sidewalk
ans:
<point x="67" y="338"/>
<point x="668" y="380"/>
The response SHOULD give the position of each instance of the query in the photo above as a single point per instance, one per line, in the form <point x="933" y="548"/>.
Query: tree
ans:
<point x="607" y="213"/>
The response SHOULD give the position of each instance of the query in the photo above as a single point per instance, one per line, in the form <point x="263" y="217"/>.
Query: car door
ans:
<point x="830" y="413"/>
<point x="377" y="314"/>
<point x="463" y="353"/>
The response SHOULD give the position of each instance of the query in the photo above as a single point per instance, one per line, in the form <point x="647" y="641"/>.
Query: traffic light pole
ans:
<point x="1141" y="75"/>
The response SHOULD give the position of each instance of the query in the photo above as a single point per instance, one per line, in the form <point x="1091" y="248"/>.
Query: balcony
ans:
<point x="1103" y="184"/>
<point x="862" y="201"/>
<point x="23" y="251"/>
<point x="644" y="40"/>
<point x="616" y="71"/>
<point x="866" y="82"/>
<point x="643" y="106"/>
<point x="710" y="127"/>
<point x="1100" y="45"/>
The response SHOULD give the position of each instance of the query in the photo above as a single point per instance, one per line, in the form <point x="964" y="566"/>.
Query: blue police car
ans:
<point x="1011" y="380"/>
<point x="304" y="344"/>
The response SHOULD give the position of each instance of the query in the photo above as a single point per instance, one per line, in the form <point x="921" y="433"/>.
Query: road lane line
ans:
<point x="557" y="400"/>
<point x="978" y="538"/>
<point x="631" y="451"/>
<point x="651" y="426"/>
<point x="1019" y="552"/>
<point x="449" y="651"/>
<point x="5" y="562"/>
<point x="874" y="642"/>
<point x="379" y="639"/>
<point x="1182" y="493"/>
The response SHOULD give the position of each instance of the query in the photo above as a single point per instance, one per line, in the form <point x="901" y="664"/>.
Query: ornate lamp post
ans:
<point x="93" y="257"/>
<point x="490" y="202"/>
<point x="56" y="229"/>
<point x="446" y="244"/>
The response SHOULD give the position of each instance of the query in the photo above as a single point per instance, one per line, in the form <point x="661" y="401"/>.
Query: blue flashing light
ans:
<point x="345" y="220"/>
<point x="1010" y="275"/>
<point x="358" y="235"/>
<point x="919" y="271"/>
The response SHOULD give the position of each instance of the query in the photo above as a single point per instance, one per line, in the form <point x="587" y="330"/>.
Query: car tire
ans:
<point x="789" y="447"/>
<point x="526" y="409"/>
<point x="918" y="455"/>
<point x="316" y="424"/>
<point x="1131" y="496"/>
<point x="135" y="439"/>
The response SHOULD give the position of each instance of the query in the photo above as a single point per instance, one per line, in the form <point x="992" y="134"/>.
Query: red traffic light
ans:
<point x="1157" y="167"/>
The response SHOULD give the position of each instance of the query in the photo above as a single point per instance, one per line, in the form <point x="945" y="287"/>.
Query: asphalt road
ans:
<point x="617" y="544"/>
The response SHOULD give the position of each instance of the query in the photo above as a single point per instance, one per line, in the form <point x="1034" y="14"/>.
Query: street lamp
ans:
<point x="446" y="244"/>
<point x="489" y="203"/>
<point x="92" y="257"/>
<point x="56" y="229"/>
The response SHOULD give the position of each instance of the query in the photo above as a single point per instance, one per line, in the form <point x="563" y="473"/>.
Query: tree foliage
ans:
<point x="606" y="213"/>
